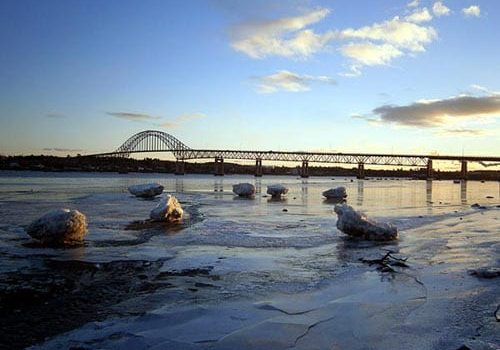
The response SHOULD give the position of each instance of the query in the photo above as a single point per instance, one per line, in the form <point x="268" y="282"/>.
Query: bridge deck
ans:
<point x="313" y="157"/>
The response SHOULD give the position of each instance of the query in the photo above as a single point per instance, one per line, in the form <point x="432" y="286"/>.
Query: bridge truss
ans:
<point x="158" y="141"/>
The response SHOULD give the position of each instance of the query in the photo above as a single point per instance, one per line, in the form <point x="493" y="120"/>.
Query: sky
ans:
<point x="381" y="76"/>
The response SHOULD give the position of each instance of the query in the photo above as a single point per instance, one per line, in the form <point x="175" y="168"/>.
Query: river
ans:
<point x="241" y="273"/>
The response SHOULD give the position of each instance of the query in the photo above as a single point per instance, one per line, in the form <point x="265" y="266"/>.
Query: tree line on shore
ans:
<point x="150" y="165"/>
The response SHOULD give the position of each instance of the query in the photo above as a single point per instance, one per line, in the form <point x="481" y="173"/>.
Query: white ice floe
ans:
<point x="335" y="193"/>
<point x="168" y="210"/>
<point x="146" y="190"/>
<point x="59" y="227"/>
<point x="277" y="190"/>
<point x="244" y="189"/>
<point x="355" y="224"/>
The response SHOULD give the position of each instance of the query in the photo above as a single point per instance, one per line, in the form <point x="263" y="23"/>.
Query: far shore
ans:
<point x="125" y="166"/>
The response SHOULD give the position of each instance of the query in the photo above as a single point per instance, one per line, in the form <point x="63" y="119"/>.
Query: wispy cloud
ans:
<point x="380" y="43"/>
<point x="55" y="116"/>
<point x="485" y="89"/>
<point x="287" y="36"/>
<point x="139" y="117"/>
<point x="431" y="113"/>
<point x="472" y="11"/>
<point x="396" y="32"/>
<point x="369" y="119"/>
<point x="57" y="149"/>
<point x="284" y="80"/>
<point x="354" y="70"/>
<point x="178" y="121"/>
<point x="464" y="132"/>
<point x="369" y="54"/>
<point x="419" y="16"/>
<point x="413" y="3"/>
<point x="440" y="9"/>
<point x="375" y="44"/>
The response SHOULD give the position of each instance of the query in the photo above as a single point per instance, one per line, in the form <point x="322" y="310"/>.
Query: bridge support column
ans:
<point x="361" y="171"/>
<point x="180" y="167"/>
<point x="430" y="171"/>
<point x="219" y="166"/>
<point x="258" y="167"/>
<point x="305" y="169"/>
<point x="463" y="172"/>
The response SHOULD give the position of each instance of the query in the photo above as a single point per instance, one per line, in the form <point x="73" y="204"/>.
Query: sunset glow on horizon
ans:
<point x="414" y="77"/>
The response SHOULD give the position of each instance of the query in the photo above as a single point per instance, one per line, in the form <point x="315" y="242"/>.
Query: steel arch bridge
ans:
<point x="150" y="141"/>
<point x="159" y="141"/>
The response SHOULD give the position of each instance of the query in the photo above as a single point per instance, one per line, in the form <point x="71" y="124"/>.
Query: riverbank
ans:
<point x="435" y="303"/>
<point x="247" y="273"/>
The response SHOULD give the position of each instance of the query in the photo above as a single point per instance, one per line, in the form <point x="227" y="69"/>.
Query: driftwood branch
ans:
<point x="387" y="262"/>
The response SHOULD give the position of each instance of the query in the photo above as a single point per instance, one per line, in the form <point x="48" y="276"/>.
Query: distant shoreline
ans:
<point x="52" y="164"/>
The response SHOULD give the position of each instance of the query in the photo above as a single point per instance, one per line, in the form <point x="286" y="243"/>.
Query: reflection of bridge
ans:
<point x="158" y="141"/>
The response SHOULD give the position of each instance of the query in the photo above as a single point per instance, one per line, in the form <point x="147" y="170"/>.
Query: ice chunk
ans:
<point x="486" y="272"/>
<point x="146" y="190"/>
<point x="276" y="190"/>
<point x="355" y="224"/>
<point x="244" y="189"/>
<point x="168" y="210"/>
<point x="335" y="193"/>
<point x="59" y="227"/>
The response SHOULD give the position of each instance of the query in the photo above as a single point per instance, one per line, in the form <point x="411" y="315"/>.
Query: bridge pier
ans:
<point x="219" y="166"/>
<point x="305" y="169"/>
<point x="180" y="167"/>
<point x="258" y="167"/>
<point x="463" y="172"/>
<point x="430" y="171"/>
<point x="361" y="171"/>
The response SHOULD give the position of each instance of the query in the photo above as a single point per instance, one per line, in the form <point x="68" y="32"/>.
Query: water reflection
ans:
<point x="304" y="191"/>
<point x="361" y="189"/>
<point x="218" y="188"/>
<point x="258" y="185"/>
<point x="279" y="199"/>
<point x="179" y="185"/>
<point x="463" y="192"/>
<point x="428" y="196"/>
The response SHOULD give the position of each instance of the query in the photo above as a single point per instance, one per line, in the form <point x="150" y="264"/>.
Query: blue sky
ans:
<point x="371" y="76"/>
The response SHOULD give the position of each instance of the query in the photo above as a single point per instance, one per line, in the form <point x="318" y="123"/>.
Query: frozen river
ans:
<point x="245" y="273"/>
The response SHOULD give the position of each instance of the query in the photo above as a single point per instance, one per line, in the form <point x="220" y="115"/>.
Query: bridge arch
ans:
<point x="152" y="141"/>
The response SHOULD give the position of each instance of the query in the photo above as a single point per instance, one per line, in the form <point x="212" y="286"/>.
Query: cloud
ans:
<point x="464" y="132"/>
<point x="168" y="125"/>
<point x="413" y="3"/>
<point x="57" y="149"/>
<point x="375" y="44"/>
<point x="178" y="121"/>
<point x="371" y="120"/>
<point x="281" y="37"/>
<point x="439" y="9"/>
<point x="380" y="43"/>
<point x="139" y="117"/>
<point x="419" y="16"/>
<point x="284" y="80"/>
<point x="354" y="70"/>
<point x="370" y="54"/>
<point x="484" y="89"/>
<point x="55" y="116"/>
<point x="191" y="116"/>
<point x="472" y="11"/>
<point x="397" y="32"/>
<point x="432" y="113"/>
